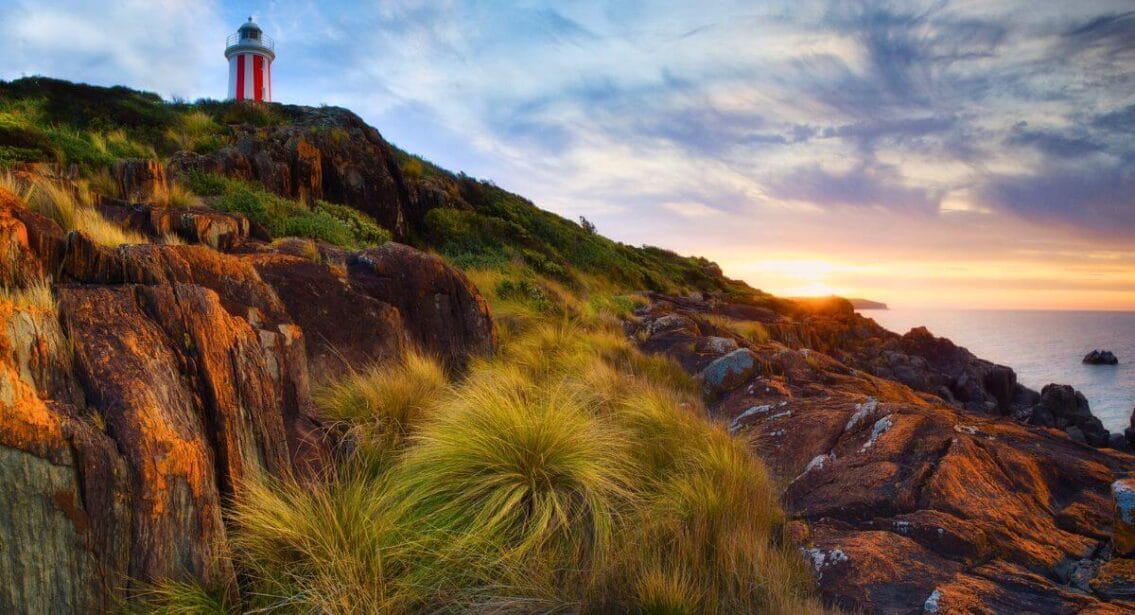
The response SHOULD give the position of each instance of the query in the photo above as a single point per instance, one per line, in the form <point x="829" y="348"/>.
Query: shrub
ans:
<point x="245" y="202"/>
<point x="413" y="168"/>
<point x="316" y="225"/>
<point x="363" y="228"/>
<point x="207" y="184"/>
<point x="196" y="131"/>
<point x="252" y="113"/>
<point x="20" y="143"/>
<point x="283" y="217"/>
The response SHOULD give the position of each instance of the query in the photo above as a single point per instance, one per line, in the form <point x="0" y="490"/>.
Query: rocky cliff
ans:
<point x="913" y="490"/>
<point x="153" y="380"/>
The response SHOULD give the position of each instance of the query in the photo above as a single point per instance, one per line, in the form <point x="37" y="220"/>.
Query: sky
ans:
<point x="926" y="154"/>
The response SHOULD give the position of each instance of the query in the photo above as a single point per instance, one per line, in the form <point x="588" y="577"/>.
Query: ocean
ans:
<point x="1042" y="347"/>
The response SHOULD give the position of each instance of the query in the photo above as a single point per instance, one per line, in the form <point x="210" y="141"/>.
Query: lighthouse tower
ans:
<point x="250" y="56"/>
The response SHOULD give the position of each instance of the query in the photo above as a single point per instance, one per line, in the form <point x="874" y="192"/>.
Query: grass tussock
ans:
<point x="70" y="207"/>
<point x="35" y="297"/>
<point x="379" y="407"/>
<point x="568" y="474"/>
<point x="178" y="598"/>
<point x="750" y="330"/>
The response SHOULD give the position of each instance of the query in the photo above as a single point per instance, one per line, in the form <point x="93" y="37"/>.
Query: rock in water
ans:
<point x="1101" y="357"/>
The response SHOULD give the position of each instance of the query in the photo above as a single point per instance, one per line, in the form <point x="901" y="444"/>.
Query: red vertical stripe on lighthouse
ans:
<point x="240" y="77"/>
<point x="258" y="78"/>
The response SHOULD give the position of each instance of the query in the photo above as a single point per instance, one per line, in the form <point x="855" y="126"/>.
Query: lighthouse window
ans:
<point x="254" y="35"/>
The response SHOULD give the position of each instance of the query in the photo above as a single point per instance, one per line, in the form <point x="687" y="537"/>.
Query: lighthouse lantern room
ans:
<point x="250" y="56"/>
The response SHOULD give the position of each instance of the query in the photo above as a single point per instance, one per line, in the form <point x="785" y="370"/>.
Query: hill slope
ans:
<point x="227" y="386"/>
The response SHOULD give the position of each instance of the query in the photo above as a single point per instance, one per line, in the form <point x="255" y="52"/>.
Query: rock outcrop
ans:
<point x="326" y="153"/>
<point x="445" y="315"/>
<point x="912" y="503"/>
<point x="156" y="380"/>
<point x="141" y="180"/>
<point x="1065" y="408"/>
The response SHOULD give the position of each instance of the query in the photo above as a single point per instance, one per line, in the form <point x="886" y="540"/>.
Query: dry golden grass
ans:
<point x="750" y="330"/>
<point x="69" y="206"/>
<point x="569" y="473"/>
<point x="36" y="297"/>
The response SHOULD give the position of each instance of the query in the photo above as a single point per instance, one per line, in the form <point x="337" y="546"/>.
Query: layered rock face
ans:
<point x="326" y="153"/>
<point x="155" y="380"/>
<point x="904" y="502"/>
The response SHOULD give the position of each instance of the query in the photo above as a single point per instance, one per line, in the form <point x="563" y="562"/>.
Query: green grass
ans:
<point x="283" y="217"/>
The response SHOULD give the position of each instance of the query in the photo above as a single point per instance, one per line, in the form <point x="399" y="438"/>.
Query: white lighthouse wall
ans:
<point x="247" y="77"/>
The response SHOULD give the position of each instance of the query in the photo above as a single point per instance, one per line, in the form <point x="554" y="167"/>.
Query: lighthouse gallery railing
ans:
<point x="263" y="41"/>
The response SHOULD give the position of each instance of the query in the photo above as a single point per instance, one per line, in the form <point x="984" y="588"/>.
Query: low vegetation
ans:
<point x="69" y="205"/>
<point x="570" y="473"/>
<point x="749" y="330"/>
<point x="338" y="225"/>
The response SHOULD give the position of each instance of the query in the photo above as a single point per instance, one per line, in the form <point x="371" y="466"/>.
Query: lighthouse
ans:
<point x="250" y="56"/>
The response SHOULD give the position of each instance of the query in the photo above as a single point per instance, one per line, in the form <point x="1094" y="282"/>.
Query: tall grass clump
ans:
<point x="520" y="475"/>
<point x="178" y="598"/>
<point x="33" y="297"/>
<point x="69" y="207"/>
<point x="328" y="548"/>
<point x="377" y="408"/>
<point x="196" y="131"/>
<point x="752" y="331"/>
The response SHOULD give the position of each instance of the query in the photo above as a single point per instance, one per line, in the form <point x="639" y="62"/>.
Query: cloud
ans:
<point x="160" y="46"/>
<point x="771" y="125"/>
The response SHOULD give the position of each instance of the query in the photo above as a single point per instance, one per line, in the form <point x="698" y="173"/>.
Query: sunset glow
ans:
<point x="925" y="153"/>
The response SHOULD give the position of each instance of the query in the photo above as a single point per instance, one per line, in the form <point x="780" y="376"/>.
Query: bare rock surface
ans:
<point x="916" y="502"/>
<point x="153" y="381"/>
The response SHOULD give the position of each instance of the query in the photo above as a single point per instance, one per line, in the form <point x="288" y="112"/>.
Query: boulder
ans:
<point x="1123" y="538"/>
<point x="218" y="230"/>
<point x="730" y="371"/>
<point x="443" y="312"/>
<point x="141" y="180"/>
<point x="1100" y="357"/>
<point x="916" y="505"/>
<point x="1064" y="407"/>
<point x="343" y="327"/>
